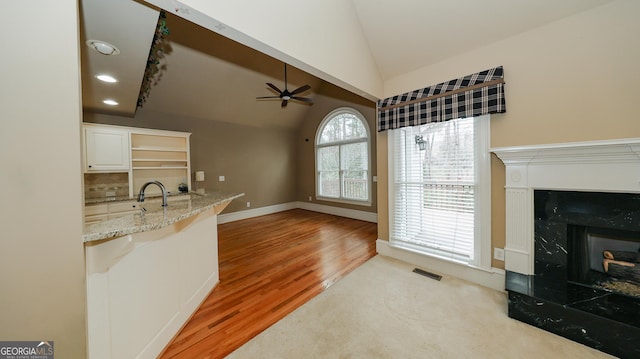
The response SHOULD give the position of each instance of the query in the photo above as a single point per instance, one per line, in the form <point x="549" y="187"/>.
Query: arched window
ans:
<point x="342" y="158"/>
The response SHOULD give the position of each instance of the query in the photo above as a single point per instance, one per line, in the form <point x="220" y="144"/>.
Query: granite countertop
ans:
<point x="156" y="216"/>
<point x="101" y="200"/>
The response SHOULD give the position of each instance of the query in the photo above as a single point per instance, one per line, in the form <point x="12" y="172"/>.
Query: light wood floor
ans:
<point x="269" y="266"/>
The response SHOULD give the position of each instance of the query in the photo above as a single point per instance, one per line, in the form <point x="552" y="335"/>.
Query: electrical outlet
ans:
<point x="221" y="178"/>
<point x="310" y="199"/>
<point x="498" y="254"/>
<point x="248" y="204"/>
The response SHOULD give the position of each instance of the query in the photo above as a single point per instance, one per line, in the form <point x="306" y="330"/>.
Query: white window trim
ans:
<point x="326" y="119"/>
<point x="482" y="212"/>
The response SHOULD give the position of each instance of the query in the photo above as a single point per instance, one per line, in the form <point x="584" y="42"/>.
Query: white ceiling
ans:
<point x="211" y="77"/>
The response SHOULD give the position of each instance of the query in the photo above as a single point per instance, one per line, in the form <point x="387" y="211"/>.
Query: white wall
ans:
<point x="41" y="250"/>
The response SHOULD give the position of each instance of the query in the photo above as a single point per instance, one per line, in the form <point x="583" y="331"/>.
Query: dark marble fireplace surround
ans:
<point x="563" y="295"/>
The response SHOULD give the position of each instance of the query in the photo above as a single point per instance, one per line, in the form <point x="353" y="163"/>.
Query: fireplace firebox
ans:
<point x="585" y="234"/>
<point x="604" y="258"/>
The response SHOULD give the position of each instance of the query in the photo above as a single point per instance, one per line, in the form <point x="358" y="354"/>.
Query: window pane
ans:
<point x="329" y="184"/>
<point x="329" y="158"/>
<point x="342" y="157"/>
<point x="434" y="194"/>
<point x="354" y="156"/>
<point x="449" y="155"/>
<point x="355" y="185"/>
<point x="343" y="127"/>
<point x="353" y="127"/>
<point x="332" y="131"/>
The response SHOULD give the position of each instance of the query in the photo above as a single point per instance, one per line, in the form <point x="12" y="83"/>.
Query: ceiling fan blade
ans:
<point x="263" y="97"/>
<point x="300" y="89"/>
<point x="274" y="87"/>
<point x="303" y="99"/>
<point x="284" y="103"/>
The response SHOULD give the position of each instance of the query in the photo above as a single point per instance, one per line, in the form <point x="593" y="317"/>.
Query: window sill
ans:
<point x="493" y="278"/>
<point x="344" y="201"/>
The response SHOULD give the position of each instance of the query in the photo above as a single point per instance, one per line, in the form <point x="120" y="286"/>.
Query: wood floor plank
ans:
<point x="269" y="266"/>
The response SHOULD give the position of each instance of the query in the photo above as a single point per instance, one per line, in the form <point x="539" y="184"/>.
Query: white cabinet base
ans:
<point x="142" y="288"/>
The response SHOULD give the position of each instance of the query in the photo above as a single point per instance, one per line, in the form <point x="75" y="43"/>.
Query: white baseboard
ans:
<point x="493" y="279"/>
<point x="337" y="211"/>
<point x="256" y="212"/>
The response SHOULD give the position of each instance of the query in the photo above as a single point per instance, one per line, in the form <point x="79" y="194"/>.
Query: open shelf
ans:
<point x="160" y="149"/>
<point x="156" y="160"/>
<point x="160" y="168"/>
<point x="160" y="156"/>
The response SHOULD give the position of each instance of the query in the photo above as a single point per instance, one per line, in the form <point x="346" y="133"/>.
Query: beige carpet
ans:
<point x="383" y="310"/>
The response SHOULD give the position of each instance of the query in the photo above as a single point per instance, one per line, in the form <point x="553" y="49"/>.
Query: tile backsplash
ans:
<point x="101" y="185"/>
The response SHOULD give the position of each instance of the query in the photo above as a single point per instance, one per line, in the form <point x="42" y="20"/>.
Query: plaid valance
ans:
<point x="474" y="95"/>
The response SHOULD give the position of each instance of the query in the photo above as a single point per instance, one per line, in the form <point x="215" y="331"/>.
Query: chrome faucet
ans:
<point x="164" y="192"/>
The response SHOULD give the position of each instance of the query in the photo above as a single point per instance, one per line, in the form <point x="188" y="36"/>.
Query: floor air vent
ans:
<point x="427" y="274"/>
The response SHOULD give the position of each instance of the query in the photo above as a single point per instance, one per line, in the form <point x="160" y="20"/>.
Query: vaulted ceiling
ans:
<point x="209" y="76"/>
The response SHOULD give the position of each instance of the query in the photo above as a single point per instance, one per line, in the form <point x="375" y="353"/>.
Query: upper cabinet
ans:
<point x="106" y="149"/>
<point x="144" y="154"/>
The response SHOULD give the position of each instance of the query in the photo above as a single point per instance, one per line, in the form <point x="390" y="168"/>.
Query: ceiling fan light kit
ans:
<point x="285" y="95"/>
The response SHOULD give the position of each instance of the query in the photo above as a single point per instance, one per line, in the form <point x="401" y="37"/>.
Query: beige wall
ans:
<point x="329" y="99"/>
<point x="41" y="250"/>
<point x="383" y="184"/>
<point x="261" y="162"/>
<point x="572" y="80"/>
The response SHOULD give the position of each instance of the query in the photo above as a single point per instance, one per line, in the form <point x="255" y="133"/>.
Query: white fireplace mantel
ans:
<point x="593" y="166"/>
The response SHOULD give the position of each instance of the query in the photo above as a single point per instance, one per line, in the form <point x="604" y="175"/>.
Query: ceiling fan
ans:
<point x="286" y="95"/>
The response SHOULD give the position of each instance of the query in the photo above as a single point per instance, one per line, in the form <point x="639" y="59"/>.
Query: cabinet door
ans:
<point x="95" y="213"/>
<point x="106" y="149"/>
<point x="120" y="209"/>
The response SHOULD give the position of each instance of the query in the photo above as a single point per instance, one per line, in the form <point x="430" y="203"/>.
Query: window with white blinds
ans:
<point x="434" y="190"/>
<point x="342" y="158"/>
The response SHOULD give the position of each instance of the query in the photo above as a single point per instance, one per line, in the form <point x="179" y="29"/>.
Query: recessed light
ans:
<point x="110" y="102"/>
<point x="103" y="47"/>
<point x="106" y="78"/>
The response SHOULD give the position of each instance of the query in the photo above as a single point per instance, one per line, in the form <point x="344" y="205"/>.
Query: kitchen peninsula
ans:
<point x="148" y="271"/>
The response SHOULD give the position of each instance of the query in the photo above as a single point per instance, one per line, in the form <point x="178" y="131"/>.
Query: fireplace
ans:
<point x="566" y="204"/>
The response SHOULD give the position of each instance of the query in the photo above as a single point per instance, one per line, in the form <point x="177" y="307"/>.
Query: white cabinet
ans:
<point x="119" y="209"/>
<point x="143" y="287"/>
<point x="106" y="149"/>
<point x="144" y="154"/>
<point x="96" y="213"/>
<point x="100" y="212"/>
